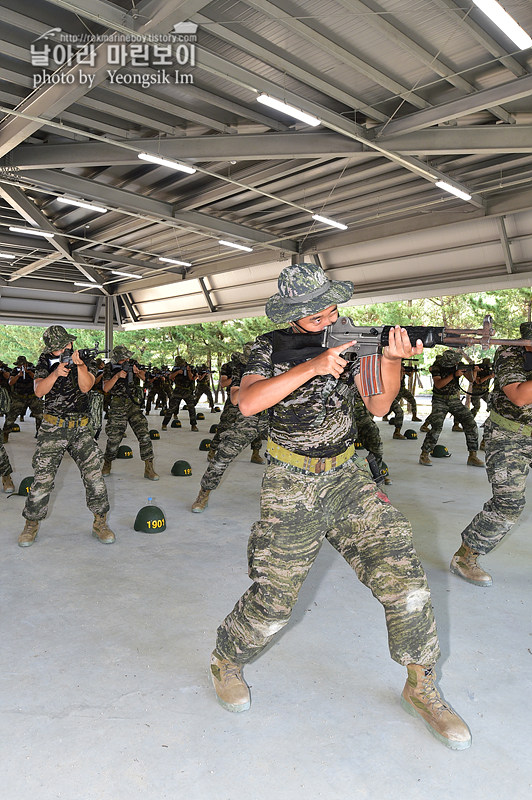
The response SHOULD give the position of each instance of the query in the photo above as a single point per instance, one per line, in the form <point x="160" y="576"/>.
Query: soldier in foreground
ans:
<point x="65" y="428"/>
<point x="313" y="489"/>
<point x="508" y="437"/>
<point x="121" y="380"/>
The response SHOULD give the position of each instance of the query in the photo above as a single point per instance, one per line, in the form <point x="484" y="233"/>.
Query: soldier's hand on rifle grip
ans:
<point x="331" y="361"/>
<point x="400" y="346"/>
<point x="62" y="369"/>
<point x="122" y="374"/>
<point x="76" y="358"/>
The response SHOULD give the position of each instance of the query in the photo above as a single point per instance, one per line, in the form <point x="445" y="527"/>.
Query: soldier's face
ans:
<point x="59" y="352"/>
<point x="318" y="322"/>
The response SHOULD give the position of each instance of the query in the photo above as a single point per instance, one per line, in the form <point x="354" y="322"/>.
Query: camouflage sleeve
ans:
<point x="107" y="373"/>
<point x="509" y="365"/>
<point x="92" y="367"/>
<point x="435" y="371"/>
<point x="260" y="359"/>
<point x="42" y="370"/>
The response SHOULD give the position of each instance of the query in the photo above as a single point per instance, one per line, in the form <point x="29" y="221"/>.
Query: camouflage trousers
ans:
<point x="299" y="510"/>
<point x="406" y="394"/>
<point x="96" y="412"/>
<point x="52" y="443"/>
<point x="160" y="394"/>
<point x="441" y="406"/>
<point x="229" y="416"/>
<point x="204" y="390"/>
<point x="19" y="405"/>
<point x="475" y="402"/>
<point x="398" y="414"/>
<point x="232" y="441"/>
<point x="121" y="411"/>
<point x="368" y="433"/>
<point x="5" y="465"/>
<point x="508" y="457"/>
<point x="175" y="402"/>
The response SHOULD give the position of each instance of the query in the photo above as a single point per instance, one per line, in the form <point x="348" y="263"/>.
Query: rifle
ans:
<point x="86" y="354"/>
<point x="369" y="341"/>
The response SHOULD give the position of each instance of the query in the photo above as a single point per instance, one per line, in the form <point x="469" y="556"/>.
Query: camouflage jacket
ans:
<point x="452" y="388"/>
<point x="511" y="366"/>
<point x="317" y="419"/>
<point x="65" y="397"/>
<point x="121" y="387"/>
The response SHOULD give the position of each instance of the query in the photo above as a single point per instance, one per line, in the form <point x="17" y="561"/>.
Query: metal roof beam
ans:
<point x="129" y="306"/>
<point x="479" y="101"/>
<point x="160" y="211"/>
<point x="257" y="146"/>
<point x="458" y="140"/>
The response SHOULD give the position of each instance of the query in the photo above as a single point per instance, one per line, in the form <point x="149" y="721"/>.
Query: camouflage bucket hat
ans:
<point x="450" y="358"/>
<point x="179" y="362"/>
<point x="304" y="289"/>
<point x="20" y="361"/>
<point x="56" y="337"/>
<point x="525" y="329"/>
<point x="120" y="353"/>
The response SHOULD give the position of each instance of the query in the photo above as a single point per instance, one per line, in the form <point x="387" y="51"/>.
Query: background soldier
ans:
<point x="203" y="386"/>
<point x="446" y="400"/>
<point x="5" y="471"/>
<point x="396" y="408"/>
<point x="243" y="431"/>
<point x="480" y="389"/>
<point x="121" y="380"/>
<point x="183" y="377"/>
<point x="157" y="389"/>
<point x="65" y="428"/>
<point x="368" y="433"/>
<point x="314" y="489"/>
<point x="508" y="436"/>
<point x="22" y="396"/>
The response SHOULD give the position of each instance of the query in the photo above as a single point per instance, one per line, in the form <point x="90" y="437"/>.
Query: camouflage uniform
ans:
<point x="508" y="453"/>
<point x="23" y="397"/>
<point x="183" y="390"/>
<point x="300" y="508"/>
<point x="124" y="407"/>
<point x="5" y="466"/>
<point x="157" y="390"/>
<point x="447" y="401"/>
<point x="480" y="391"/>
<point x="64" y="403"/>
<point x="367" y="429"/>
<point x="230" y="412"/>
<point x="203" y="387"/>
<point x="243" y="431"/>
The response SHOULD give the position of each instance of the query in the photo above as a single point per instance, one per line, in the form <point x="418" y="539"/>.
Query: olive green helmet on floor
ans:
<point x="15" y="428"/>
<point x="150" y="519"/>
<point x="24" y="486"/>
<point x="410" y="434"/>
<point x="154" y="434"/>
<point x="358" y="445"/>
<point x="181" y="468"/>
<point x="213" y="429"/>
<point x="200" y="415"/>
<point x="205" y="444"/>
<point x="176" y="423"/>
<point x="125" y="451"/>
<point x="440" y="451"/>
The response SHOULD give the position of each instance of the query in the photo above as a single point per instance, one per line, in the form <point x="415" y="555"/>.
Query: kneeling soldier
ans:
<point x="64" y="380"/>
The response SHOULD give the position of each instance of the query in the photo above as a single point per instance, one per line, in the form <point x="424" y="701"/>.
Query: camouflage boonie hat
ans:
<point x="20" y="360"/>
<point x="304" y="289"/>
<point x="450" y="358"/>
<point x="525" y="329"/>
<point x="56" y="337"/>
<point x="120" y="353"/>
<point x="179" y="362"/>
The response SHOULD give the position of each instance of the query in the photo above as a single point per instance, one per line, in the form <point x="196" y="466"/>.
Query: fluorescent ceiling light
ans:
<point x="447" y="187"/>
<point x="236" y="246"/>
<point x="32" y="231"/>
<point x="125" y="274"/>
<point x="167" y="162"/>
<point x="91" y="285"/>
<point x="285" y="108"/>
<point x="6" y="255"/>
<point x="175" y="261"/>
<point x="72" y="201"/>
<point x="505" y="22"/>
<point x="330" y="222"/>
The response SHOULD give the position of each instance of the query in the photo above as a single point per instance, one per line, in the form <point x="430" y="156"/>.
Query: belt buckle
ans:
<point x="320" y="466"/>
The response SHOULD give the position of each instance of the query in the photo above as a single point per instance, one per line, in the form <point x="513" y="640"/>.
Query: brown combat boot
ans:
<point x="106" y="469"/>
<point x="6" y="437"/>
<point x="164" y="428"/>
<point x="256" y="457"/>
<point x="464" y="564"/>
<point x="149" y="472"/>
<point x="415" y="418"/>
<point x="7" y="484"/>
<point x="397" y="434"/>
<point x="101" y="530"/>
<point x="473" y="460"/>
<point x="424" y="459"/>
<point x="420" y="698"/>
<point x="482" y="445"/>
<point x="457" y="428"/>
<point x="201" y="502"/>
<point x="211" y="453"/>
<point x="229" y="685"/>
<point x="194" y="428"/>
<point x="29" y="534"/>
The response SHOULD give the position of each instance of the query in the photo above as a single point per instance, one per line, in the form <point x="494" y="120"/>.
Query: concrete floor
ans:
<point x="104" y="684"/>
